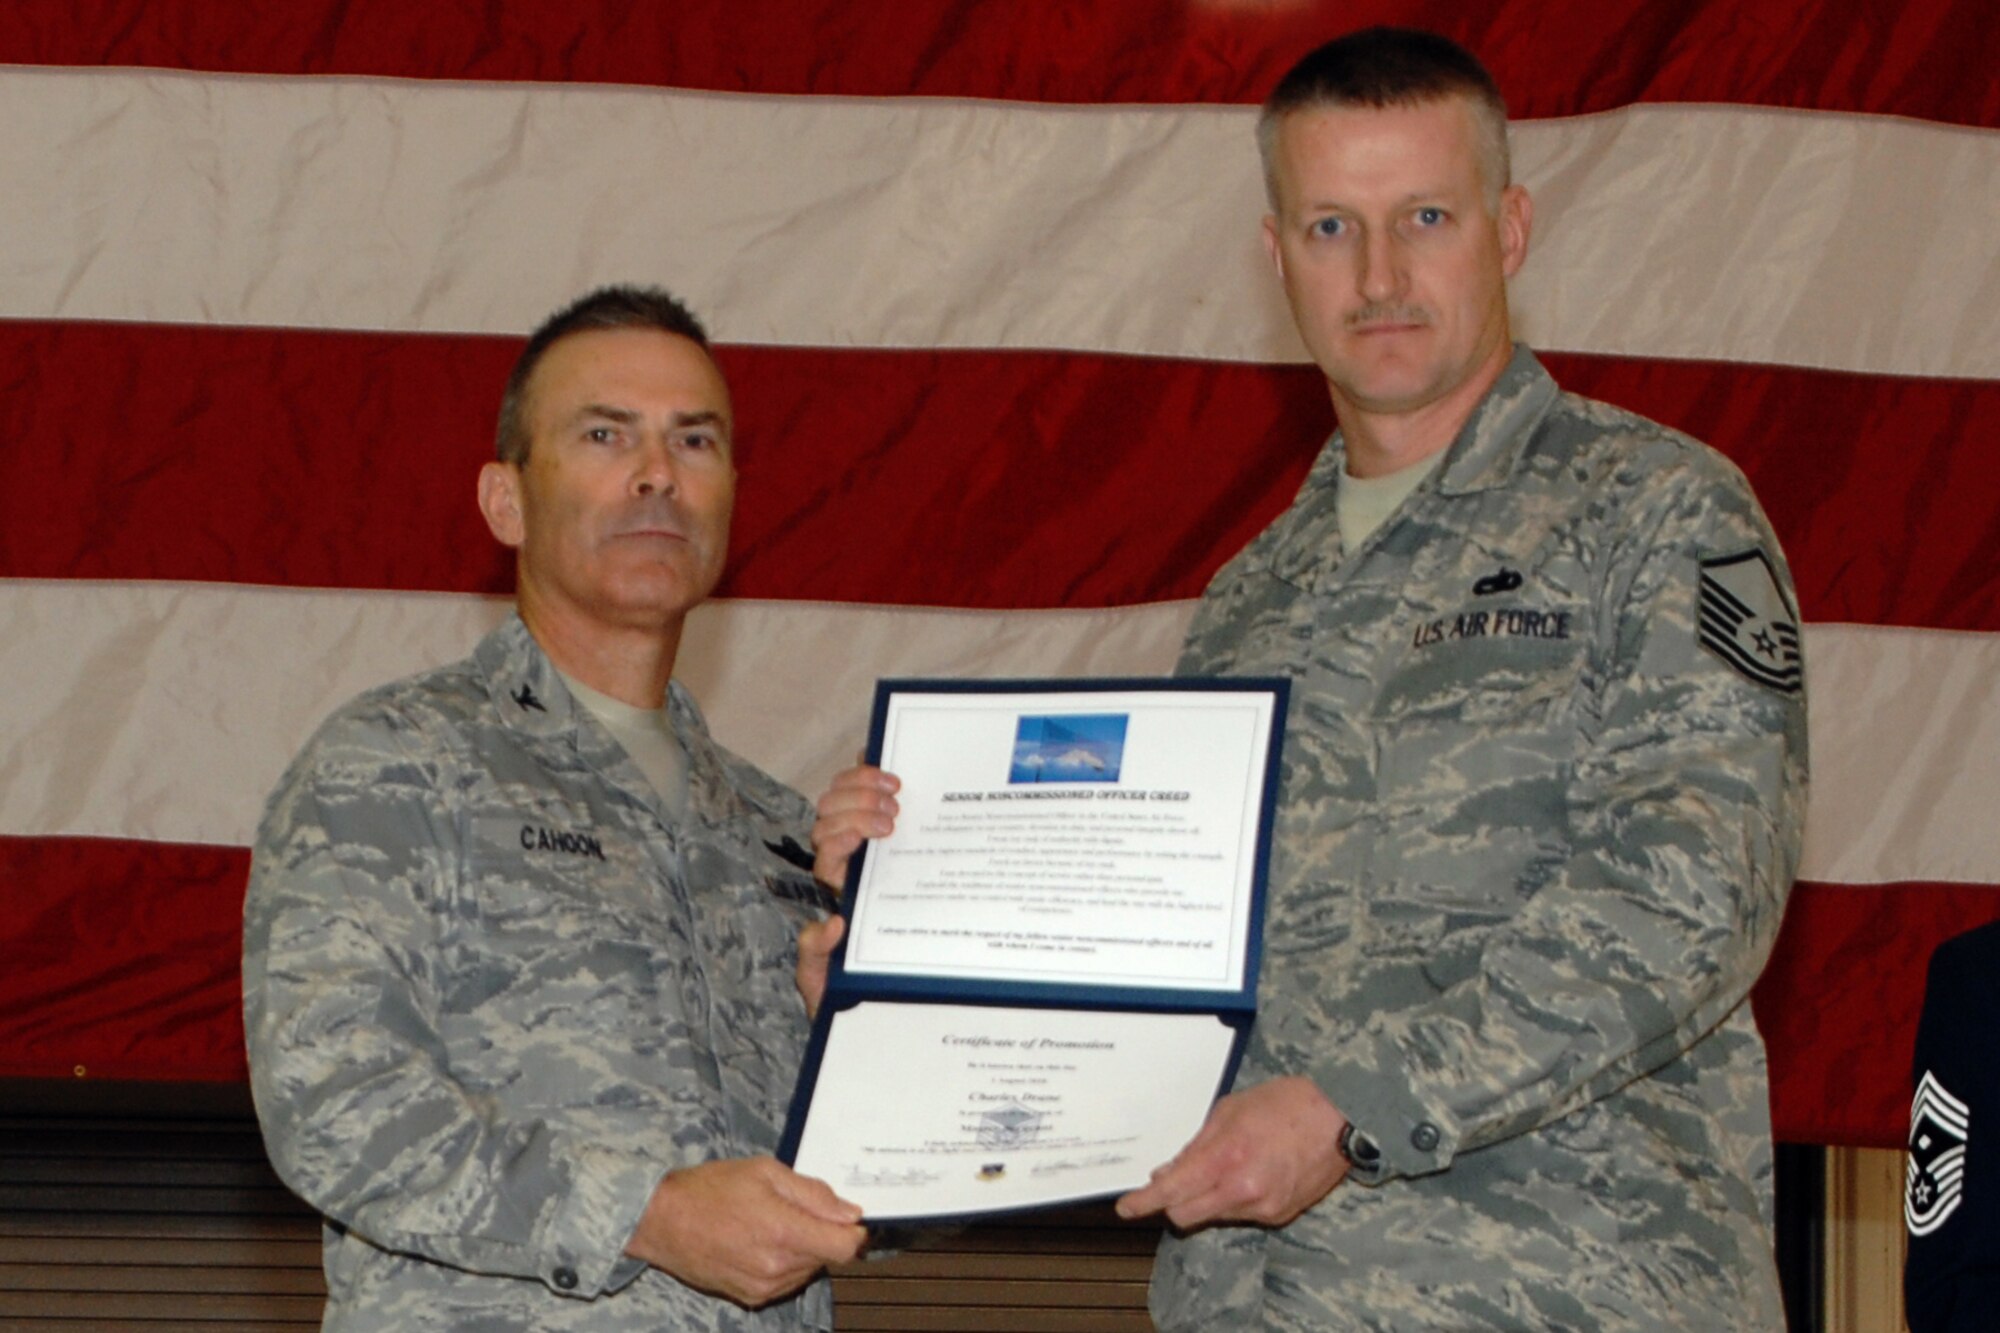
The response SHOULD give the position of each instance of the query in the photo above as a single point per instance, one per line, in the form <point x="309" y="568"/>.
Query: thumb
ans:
<point x="815" y="1196"/>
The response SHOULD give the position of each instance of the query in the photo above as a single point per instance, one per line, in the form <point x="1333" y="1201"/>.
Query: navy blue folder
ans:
<point x="1235" y="1008"/>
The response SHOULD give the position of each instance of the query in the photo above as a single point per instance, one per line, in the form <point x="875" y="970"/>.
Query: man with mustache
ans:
<point x="1543" y="783"/>
<point x="519" y="936"/>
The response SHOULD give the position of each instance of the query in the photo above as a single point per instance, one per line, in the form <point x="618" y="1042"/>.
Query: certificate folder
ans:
<point x="1050" y="967"/>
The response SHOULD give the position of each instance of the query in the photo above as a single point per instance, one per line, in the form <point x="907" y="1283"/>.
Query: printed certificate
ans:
<point x="1050" y="965"/>
<point x="999" y="1108"/>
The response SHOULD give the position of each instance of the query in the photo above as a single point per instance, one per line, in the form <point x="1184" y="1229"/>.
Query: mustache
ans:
<point x="652" y="513"/>
<point x="1388" y="314"/>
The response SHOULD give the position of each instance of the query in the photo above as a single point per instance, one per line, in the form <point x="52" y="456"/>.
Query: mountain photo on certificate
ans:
<point x="1068" y="748"/>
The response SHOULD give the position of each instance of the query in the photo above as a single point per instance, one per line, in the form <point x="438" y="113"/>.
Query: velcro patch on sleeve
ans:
<point x="1745" y="620"/>
<point x="1940" y="1128"/>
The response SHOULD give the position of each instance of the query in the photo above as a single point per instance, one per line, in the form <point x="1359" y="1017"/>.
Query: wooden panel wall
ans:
<point x="1864" y="1241"/>
<point x="153" y="1216"/>
<point x="150" y="1207"/>
<point x="1075" y="1272"/>
<point x="158" y="1225"/>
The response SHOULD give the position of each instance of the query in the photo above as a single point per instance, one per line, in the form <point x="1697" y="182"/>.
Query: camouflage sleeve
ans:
<point x="1682" y="821"/>
<point x="348" y="888"/>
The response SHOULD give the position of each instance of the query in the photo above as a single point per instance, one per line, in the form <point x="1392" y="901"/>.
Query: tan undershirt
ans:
<point x="648" y="737"/>
<point x="1365" y="503"/>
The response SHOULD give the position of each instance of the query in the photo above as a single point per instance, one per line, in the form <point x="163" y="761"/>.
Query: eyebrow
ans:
<point x="625" y="416"/>
<point x="1412" y="199"/>
<point x="705" y="417"/>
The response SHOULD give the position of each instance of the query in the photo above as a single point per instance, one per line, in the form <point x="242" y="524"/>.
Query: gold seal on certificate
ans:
<point x="1050" y="965"/>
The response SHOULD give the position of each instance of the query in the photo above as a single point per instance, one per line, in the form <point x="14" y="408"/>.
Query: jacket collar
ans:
<point x="1483" y="455"/>
<point x="1493" y="439"/>
<point x="530" y="697"/>
<point x="527" y="693"/>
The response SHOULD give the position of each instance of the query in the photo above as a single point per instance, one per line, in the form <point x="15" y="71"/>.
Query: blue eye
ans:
<point x="1328" y="227"/>
<point x="1430" y="217"/>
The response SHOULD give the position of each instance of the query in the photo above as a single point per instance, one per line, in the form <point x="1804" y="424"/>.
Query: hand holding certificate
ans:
<point x="1050" y="964"/>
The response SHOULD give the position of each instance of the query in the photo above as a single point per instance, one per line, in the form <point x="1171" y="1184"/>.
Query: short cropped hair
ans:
<point x="1385" y="67"/>
<point x="617" y="307"/>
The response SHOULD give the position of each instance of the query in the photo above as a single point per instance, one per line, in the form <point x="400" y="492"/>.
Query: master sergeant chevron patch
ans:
<point x="1746" y="622"/>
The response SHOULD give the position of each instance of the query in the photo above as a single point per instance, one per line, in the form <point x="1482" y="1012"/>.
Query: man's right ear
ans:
<point x="1271" y="247"/>
<point x="500" y="502"/>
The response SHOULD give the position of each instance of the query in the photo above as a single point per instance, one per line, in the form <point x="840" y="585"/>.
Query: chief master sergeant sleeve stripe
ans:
<point x="1951" y="1278"/>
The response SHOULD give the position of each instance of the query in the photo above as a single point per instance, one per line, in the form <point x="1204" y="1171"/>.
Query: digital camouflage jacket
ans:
<point x="1544" y="779"/>
<point x="492" y="996"/>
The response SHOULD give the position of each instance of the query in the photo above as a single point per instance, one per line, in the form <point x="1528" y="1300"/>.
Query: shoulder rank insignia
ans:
<point x="1939" y="1129"/>
<point x="1746" y="622"/>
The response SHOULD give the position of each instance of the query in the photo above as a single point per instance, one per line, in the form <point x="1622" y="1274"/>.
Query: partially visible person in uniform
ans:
<point x="520" y="936"/>
<point x="1951" y="1280"/>
<point x="1544" y="776"/>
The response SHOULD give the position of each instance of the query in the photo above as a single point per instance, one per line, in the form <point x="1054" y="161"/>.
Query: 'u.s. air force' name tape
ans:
<point x="1745" y="620"/>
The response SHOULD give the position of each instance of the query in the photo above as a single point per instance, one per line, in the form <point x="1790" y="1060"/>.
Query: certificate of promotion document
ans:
<point x="1051" y="963"/>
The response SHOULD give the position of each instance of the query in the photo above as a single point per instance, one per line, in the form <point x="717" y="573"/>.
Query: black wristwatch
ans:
<point x="1360" y="1151"/>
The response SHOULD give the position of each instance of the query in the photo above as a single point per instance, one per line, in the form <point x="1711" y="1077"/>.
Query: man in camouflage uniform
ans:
<point x="1544" y="778"/>
<point x="519" y="938"/>
<point x="1544" y="772"/>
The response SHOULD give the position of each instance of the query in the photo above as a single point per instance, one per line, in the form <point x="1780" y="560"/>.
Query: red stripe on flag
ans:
<point x="998" y="480"/>
<point x="123" y="963"/>
<point x="1884" y="491"/>
<point x="303" y="459"/>
<point x="122" y="959"/>
<point x="1928" y="59"/>
<point x="1838" y="1004"/>
<point x="968" y="479"/>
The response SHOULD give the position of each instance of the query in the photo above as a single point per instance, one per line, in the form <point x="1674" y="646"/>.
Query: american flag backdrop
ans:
<point x="1013" y="380"/>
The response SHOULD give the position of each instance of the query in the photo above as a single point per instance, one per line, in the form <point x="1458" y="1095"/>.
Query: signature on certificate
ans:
<point x="887" y="1177"/>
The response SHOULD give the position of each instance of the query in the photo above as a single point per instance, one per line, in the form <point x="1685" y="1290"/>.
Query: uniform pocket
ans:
<point x="536" y="870"/>
<point x="563" y="950"/>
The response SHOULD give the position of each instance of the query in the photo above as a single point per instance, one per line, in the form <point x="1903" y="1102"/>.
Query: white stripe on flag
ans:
<point x="1905" y="733"/>
<point x="378" y="204"/>
<point x="167" y="711"/>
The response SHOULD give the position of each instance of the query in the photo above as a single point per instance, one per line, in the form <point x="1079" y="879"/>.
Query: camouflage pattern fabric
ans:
<point x="1538" y="822"/>
<point x="492" y="996"/>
